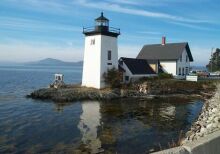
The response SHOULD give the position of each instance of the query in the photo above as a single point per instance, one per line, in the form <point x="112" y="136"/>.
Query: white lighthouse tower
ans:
<point x="101" y="52"/>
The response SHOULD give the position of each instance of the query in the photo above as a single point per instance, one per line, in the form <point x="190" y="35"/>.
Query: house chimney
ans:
<point x="163" y="40"/>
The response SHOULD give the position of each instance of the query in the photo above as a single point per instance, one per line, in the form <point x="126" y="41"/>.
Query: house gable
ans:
<point x="189" y="53"/>
<point x="170" y="51"/>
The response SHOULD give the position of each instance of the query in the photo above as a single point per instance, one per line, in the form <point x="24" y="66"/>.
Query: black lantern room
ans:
<point x="101" y="27"/>
<point x="102" y="23"/>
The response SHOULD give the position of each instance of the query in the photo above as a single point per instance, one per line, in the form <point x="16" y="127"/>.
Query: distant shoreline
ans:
<point x="43" y="62"/>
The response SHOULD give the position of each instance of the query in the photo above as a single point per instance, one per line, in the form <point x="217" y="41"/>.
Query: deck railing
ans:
<point x="93" y="29"/>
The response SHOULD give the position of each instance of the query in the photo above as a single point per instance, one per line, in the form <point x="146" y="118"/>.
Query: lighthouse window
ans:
<point x="109" y="55"/>
<point x="92" y="41"/>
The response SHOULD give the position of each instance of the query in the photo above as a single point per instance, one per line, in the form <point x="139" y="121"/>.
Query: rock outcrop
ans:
<point x="157" y="88"/>
<point x="208" y="121"/>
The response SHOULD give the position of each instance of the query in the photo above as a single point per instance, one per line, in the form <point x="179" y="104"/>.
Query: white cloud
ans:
<point x="198" y="27"/>
<point x="150" y="32"/>
<point x="169" y="2"/>
<point x="118" y="8"/>
<point x="121" y="6"/>
<point x="153" y="3"/>
<point x="36" y="25"/>
<point x="141" y="39"/>
<point x="127" y="2"/>
<point x="52" y="6"/>
<point x="23" y="52"/>
<point x="129" y="51"/>
<point x="201" y="55"/>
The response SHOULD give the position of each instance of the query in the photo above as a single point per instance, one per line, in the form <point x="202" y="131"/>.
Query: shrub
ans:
<point x="143" y="79"/>
<point x="165" y="76"/>
<point x="160" y="76"/>
<point x="112" y="77"/>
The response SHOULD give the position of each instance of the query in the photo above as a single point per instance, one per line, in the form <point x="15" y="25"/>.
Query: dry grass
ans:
<point x="173" y="144"/>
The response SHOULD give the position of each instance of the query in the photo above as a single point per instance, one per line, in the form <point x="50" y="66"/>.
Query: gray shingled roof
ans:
<point x="170" y="51"/>
<point x="137" y="66"/>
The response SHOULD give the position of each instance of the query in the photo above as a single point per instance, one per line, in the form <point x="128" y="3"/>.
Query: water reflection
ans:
<point x="89" y="124"/>
<point x="128" y="126"/>
<point x="120" y="126"/>
<point x="60" y="106"/>
<point x="168" y="111"/>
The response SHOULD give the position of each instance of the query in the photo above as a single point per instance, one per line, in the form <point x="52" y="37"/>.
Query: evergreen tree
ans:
<point x="214" y="62"/>
<point x="113" y="78"/>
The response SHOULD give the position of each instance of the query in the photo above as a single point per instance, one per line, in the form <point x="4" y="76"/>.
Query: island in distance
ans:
<point x="52" y="62"/>
<point x="43" y="62"/>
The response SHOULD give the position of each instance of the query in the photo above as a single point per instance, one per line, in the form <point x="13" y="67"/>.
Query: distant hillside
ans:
<point x="198" y="68"/>
<point x="51" y="62"/>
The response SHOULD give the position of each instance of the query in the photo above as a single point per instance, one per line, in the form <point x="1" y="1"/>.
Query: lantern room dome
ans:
<point x="101" y="18"/>
<point x="101" y="27"/>
<point x="102" y="21"/>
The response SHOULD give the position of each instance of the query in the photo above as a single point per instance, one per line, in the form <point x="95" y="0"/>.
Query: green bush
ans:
<point x="113" y="78"/>
<point x="165" y="76"/>
<point x="160" y="76"/>
<point x="148" y="78"/>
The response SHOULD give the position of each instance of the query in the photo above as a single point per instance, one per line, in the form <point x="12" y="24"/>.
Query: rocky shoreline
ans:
<point x="144" y="90"/>
<point x="208" y="121"/>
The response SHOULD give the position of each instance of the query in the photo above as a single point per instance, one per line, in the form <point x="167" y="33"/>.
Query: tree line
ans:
<point x="214" y="62"/>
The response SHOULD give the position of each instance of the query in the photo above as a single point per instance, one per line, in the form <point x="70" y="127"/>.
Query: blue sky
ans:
<point x="36" y="29"/>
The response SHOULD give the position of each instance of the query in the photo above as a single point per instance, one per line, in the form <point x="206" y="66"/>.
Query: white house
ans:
<point x="173" y="58"/>
<point x="134" y="69"/>
<point x="101" y="52"/>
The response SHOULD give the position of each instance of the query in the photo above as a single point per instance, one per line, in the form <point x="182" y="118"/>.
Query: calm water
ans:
<point x="122" y="126"/>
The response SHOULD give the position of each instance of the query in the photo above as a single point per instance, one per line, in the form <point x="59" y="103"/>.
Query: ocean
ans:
<point x="119" y="126"/>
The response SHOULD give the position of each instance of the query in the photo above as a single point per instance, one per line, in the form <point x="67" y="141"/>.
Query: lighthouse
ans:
<point x="100" y="53"/>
